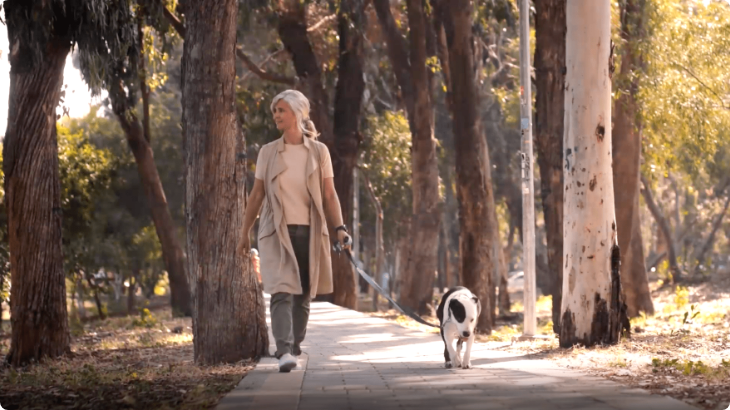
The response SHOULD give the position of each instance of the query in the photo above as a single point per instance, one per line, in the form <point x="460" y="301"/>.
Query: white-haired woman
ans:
<point x="294" y="183"/>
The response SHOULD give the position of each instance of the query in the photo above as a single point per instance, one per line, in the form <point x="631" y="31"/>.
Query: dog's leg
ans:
<point x="466" y="363"/>
<point x="458" y="352"/>
<point x="447" y="358"/>
<point x="454" y="358"/>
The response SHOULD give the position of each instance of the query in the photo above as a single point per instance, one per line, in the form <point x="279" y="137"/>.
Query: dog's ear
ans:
<point x="478" y="303"/>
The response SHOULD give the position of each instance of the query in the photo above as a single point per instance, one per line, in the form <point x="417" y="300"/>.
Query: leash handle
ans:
<point x="337" y="246"/>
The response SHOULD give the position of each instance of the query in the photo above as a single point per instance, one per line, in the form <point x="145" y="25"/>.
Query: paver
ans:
<point x="352" y="361"/>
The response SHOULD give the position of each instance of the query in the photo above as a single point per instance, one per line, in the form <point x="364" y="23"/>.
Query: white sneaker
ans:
<point x="286" y="363"/>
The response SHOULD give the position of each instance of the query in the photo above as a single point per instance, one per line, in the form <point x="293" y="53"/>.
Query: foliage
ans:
<point x="684" y="92"/>
<point x="86" y="174"/>
<point x="101" y="30"/>
<point x="386" y="160"/>
<point x="146" y="319"/>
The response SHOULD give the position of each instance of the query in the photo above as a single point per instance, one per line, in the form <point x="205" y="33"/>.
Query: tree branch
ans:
<point x="711" y="238"/>
<point x="661" y="220"/>
<point x="688" y="71"/>
<point x="321" y="22"/>
<point x="261" y="73"/>
<point x="176" y="23"/>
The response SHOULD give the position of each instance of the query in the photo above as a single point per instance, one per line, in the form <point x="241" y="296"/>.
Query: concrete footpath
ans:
<point x="352" y="361"/>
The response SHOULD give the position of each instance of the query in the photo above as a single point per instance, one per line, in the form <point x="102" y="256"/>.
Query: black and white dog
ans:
<point x="458" y="313"/>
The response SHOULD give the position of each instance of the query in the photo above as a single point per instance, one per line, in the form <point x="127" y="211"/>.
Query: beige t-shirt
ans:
<point x="293" y="181"/>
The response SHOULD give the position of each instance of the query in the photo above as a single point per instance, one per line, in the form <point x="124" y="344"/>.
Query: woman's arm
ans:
<point x="255" y="199"/>
<point x="332" y="209"/>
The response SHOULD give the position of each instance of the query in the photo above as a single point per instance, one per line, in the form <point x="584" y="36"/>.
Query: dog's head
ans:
<point x="465" y="311"/>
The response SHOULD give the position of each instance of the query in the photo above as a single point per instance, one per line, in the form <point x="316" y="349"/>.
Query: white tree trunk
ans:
<point x="588" y="308"/>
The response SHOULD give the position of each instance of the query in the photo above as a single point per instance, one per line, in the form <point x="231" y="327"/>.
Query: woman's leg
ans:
<point x="300" y="307"/>
<point x="281" y="322"/>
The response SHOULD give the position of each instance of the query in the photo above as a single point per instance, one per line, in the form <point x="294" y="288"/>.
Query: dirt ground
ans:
<point x="143" y="362"/>
<point x="683" y="351"/>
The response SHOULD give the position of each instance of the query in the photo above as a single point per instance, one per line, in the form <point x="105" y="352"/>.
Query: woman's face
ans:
<point x="284" y="116"/>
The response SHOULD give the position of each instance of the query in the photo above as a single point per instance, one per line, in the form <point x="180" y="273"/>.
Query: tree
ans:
<point x="592" y="307"/>
<point x="683" y="92"/>
<point x="422" y="261"/>
<point x="550" y="29"/>
<point x="477" y="220"/>
<point x="32" y="188"/>
<point x="626" y="154"/>
<point x="229" y="321"/>
<point x="138" y="137"/>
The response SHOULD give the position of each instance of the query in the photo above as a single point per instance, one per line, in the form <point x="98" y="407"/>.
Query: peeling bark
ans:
<point x="592" y="300"/>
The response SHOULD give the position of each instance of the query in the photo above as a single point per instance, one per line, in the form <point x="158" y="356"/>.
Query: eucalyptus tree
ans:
<point x="41" y="34"/>
<point x="229" y="320"/>
<point x="550" y="32"/>
<point x="592" y="309"/>
<point x="409" y="61"/>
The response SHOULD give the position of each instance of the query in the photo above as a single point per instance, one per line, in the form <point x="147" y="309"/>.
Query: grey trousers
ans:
<point x="290" y="313"/>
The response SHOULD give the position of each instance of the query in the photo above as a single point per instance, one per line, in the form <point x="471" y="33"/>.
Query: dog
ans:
<point x="458" y="313"/>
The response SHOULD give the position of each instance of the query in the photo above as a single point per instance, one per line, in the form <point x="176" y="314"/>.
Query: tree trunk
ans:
<point x="626" y="139"/>
<point x="592" y="306"/>
<point x="348" y="104"/>
<point x="503" y="302"/>
<point x="634" y="275"/>
<point x="450" y="225"/>
<point x="341" y="135"/>
<point x="477" y="226"/>
<point x="422" y="261"/>
<point x="172" y="252"/>
<point x="550" y="31"/>
<point x="95" y="291"/>
<point x="132" y="289"/>
<point x="379" y="249"/>
<point x="664" y="228"/>
<point x="398" y="55"/>
<point x="138" y="137"/>
<point x="80" y="298"/>
<point x="229" y="319"/>
<point x="39" y="318"/>
<point x="711" y="238"/>
<point x="293" y="33"/>
<point x="144" y="89"/>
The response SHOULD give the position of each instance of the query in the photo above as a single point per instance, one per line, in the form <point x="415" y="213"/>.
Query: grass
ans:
<point x="143" y="362"/>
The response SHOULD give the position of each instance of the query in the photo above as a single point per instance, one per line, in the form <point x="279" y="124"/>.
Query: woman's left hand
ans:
<point x="345" y="239"/>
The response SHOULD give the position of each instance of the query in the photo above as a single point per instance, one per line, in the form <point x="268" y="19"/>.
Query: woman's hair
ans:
<point x="300" y="105"/>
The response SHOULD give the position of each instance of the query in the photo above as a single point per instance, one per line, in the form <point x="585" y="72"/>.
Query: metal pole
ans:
<point x="528" y="198"/>
<point x="356" y="222"/>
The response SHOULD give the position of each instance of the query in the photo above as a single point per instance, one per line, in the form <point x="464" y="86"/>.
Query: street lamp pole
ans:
<point x="528" y="197"/>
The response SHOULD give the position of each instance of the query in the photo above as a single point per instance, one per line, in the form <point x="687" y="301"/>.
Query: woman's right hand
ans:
<point x="244" y="246"/>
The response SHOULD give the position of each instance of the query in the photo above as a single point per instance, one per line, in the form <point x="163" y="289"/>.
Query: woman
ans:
<point x="294" y="182"/>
